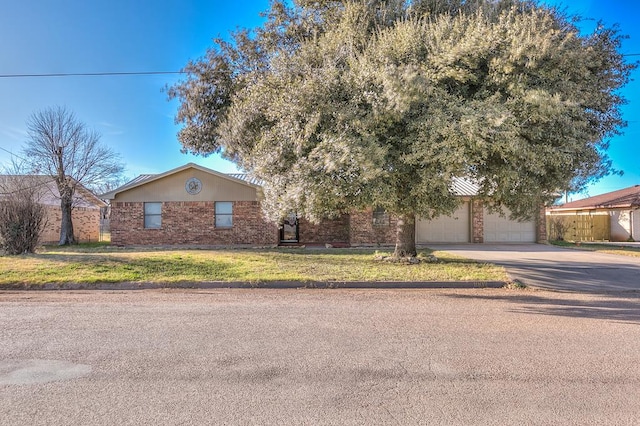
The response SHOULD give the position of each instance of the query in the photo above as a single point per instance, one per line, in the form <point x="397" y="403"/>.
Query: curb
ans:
<point x="259" y="285"/>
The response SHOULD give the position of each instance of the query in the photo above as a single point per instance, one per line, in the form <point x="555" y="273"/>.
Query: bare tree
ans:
<point x="63" y="147"/>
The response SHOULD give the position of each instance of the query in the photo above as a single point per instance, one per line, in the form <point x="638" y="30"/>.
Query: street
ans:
<point x="355" y="357"/>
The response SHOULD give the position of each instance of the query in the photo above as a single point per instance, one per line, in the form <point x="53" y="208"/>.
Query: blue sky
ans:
<point x="133" y="114"/>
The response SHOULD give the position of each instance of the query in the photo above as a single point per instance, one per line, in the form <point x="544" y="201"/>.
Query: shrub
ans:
<point x="558" y="227"/>
<point x="22" y="217"/>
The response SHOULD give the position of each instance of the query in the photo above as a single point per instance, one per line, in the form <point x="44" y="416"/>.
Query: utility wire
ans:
<point x="122" y="73"/>
<point x="11" y="153"/>
<point x="44" y="182"/>
<point x="90" y="74"/>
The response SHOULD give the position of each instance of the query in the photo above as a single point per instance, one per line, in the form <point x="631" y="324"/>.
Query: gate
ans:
<point x="579" y="227"/>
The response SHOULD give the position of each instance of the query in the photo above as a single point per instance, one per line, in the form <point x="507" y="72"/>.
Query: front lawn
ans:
<point x="611" y="248"/>
<point x="104" y="264"/>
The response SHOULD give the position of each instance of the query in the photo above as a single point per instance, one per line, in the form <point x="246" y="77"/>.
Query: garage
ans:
<point x="445" y="229"/>
<point x="504" y="230"/>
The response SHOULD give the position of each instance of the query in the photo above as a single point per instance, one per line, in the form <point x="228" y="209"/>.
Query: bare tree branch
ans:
<point x="62" y="147"/>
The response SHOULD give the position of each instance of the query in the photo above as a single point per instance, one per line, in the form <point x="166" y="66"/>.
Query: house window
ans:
<point x="152" y="215"/>
<point x="224" y="214"/>
<point x="380" y="217"/>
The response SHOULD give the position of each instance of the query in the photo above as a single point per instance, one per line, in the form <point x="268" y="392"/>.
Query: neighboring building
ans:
<point x="622" y="207"/>
<point x="85" y="214"/>
<point x="193" y="205"/>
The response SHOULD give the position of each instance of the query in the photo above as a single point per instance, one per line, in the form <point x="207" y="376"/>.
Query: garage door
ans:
<point x="504" y="230"/>
<point x="445" y="229"/>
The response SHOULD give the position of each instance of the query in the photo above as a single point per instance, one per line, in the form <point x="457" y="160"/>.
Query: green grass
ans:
<point x="99" y="263"/>
<point x="601" y="248"/>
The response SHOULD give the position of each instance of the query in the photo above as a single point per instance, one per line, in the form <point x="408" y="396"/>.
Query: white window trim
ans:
<point x="222" y="215"/>
<point x="144" y="211"/>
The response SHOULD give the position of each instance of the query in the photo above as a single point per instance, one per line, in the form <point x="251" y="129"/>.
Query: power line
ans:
<point x="90" y="74"/>
<point x="11" y="153"/>
<point x="37" y="185"/>
<point x="123" y="73"/>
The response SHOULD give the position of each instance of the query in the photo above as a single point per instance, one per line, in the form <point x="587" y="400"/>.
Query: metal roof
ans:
<point x="246" y="177"/>
<point x="464" y="187"/>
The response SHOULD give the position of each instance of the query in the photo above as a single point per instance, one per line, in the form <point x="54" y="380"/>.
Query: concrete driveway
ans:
<point x="553" y="268"/>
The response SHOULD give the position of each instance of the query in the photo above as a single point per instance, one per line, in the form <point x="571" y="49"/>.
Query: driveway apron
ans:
<point x="553" y="268"/>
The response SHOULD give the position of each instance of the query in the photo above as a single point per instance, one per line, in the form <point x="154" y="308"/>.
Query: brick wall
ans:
<point x="86" y="224"/>
<point x="332" y="231"/>
<point x="363" y="232"/>
<point x="541" y="226"/>
<point x="477" y="221"/>
<point x="191" y="223"/>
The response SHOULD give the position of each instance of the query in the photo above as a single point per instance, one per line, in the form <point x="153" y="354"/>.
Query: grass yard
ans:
<point x="99" y="263"/>
<point x="602" y="248"/>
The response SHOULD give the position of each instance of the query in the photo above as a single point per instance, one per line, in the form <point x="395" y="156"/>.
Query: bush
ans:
<point x="22" y="217"/>
<point x="558" y="227"/>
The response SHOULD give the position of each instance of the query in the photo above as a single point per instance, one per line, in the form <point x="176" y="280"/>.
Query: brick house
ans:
<point x="622" y="207"/>
<point x="193" y="205"/>
<point x="85" y="214"/>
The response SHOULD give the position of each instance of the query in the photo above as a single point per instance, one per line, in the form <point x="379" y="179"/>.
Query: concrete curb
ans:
<point x="261" y="285"/>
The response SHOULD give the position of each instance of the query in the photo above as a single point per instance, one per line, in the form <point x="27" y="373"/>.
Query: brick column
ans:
<point x="477" y="221"/>
<point x="541" y="225"/>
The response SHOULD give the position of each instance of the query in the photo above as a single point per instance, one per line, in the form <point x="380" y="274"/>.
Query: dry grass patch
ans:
<point x="103" y="264"/>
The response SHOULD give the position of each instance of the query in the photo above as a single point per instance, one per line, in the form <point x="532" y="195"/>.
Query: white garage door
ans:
<point x="504" y="230"/>
<point x="445" y="229"/>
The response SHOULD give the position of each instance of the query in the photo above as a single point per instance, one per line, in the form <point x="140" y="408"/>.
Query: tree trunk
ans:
<point x="66" y="225"/>
<point x="405" y="236"/>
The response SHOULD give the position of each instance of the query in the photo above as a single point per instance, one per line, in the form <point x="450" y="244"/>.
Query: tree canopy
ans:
<point x="339" y="105"/>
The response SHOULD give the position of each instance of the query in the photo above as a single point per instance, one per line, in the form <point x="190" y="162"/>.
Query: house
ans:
<point x="194" y="205"/>
<point x="85" y="215"/>
<point x="621" y="208"/>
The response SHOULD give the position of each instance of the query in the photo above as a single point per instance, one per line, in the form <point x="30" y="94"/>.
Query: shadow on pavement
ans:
<point x="625" y="310"/>
<point x="558" y="269"/>
<point x="599" y="278"/>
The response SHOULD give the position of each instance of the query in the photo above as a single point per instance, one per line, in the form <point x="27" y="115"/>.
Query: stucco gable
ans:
<point x="171" y="186"/>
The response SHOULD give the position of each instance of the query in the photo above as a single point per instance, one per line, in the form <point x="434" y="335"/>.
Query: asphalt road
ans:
<point x="554" y="268"/>
<point x="344" y="357"/>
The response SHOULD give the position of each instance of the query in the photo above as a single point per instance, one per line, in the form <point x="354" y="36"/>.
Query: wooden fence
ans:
<point x="579" y="227"/>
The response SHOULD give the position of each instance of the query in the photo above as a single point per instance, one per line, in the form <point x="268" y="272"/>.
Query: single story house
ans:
<point x="194" y="205"/>
<point x="622" y="207"/>
<point x="85" y="214"/>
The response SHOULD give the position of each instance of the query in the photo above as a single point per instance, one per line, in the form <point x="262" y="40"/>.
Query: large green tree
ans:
<point x="339" y="105"/>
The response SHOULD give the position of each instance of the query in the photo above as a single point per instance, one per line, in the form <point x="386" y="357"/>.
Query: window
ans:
<point x="224" y="214"/>
<point x="380" y="217"/>
<point x="152" y="215"/>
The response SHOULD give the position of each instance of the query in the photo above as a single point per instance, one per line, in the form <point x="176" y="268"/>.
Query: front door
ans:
<point x="289" y="229"/>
